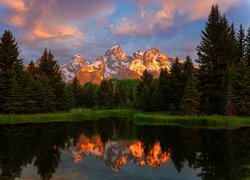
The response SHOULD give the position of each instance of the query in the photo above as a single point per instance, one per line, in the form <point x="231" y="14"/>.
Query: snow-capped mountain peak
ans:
<point x="115" y="64"/>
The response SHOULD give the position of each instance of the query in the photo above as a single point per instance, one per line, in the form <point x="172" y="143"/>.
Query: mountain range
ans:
<point x="115" y="64"/>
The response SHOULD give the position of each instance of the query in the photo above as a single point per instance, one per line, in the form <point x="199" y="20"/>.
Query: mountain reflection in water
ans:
<point x="118" y="153"/>
<point x="55" y="150"/>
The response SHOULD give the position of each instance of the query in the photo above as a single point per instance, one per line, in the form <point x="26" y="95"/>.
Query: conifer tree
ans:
<point x="190" y="100"/>
<point x="241" y="42"/>
<point x="76" y="90"/>
<point x="176" y="85"/>
<point x="242" y="88"/>
<point x="145" y="80"/>
<point x="247" y="53"/>
<point x="11" y="72"/>
<point x="143" y="91"/>
<point x="49" y="67"/>
<point x="33" y="70"/>
<point x="105" y="94"/>
<point x="232" y="51"/>
<point x="49" y="70"/>
<point x="164" y="88"/>
<point x="215" y="54"/>
<point x="89" y="95"/>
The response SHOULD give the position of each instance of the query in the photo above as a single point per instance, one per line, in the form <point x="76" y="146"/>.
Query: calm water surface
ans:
<point x="118" y="149"/>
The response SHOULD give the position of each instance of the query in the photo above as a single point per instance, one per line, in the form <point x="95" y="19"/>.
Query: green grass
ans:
<point x="139" y="118"/>
<point x="214" y="121"/>
<point x="72" y="116"/>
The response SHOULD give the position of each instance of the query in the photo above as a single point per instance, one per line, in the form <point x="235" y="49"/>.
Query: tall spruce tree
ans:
<point x="176" y="85"/>
<point x="76" y="90"/>
<point x="49" y="70"/>
<point x="241" y="43"/>
<point x="215" y="54"/>
<point x="143" y="90"/>
<point x="247" y="53"/>
<point x="164" y="88"/>
<point x="11" y="71"/>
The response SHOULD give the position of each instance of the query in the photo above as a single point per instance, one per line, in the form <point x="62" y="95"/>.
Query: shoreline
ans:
<point x="138" y="117"/>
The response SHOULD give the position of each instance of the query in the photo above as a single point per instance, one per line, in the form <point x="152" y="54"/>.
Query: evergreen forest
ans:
<point x="217" y="82"/>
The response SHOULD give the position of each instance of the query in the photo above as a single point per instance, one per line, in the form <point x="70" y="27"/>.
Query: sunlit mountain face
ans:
<point x="118" y="153"/>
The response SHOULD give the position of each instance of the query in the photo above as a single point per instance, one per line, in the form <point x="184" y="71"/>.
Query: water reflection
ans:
<point x="217" y="154"/>
<point x="118" y="153"/>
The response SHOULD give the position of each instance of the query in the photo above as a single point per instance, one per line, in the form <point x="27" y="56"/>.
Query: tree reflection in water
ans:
<point x="218" y="154"/>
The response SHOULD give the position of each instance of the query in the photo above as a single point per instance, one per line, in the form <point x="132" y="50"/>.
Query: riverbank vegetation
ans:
<point x="220" y="84"/>
<point x="73" y="116"/>
<point x="138" y="117"/>
<point x="211" y="122"/>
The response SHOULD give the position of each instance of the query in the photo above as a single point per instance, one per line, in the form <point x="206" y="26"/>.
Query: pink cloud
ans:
<point x="148" y="22"/>
<point x="17" y="5"/>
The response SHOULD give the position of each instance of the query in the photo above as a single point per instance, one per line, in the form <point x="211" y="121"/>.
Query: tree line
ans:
<point x="220" y="85"/>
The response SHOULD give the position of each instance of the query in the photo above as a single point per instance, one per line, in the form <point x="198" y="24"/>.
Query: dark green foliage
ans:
<point x="163" y="89"/>
<point x="76" y="90"/>
<point x="145" y="90"/>
<point x="33" y="70"/>
<point x="216" y="51"/>
<point x="105" y="93"/>
<point x="175" y="85"/>
<point x="190" y="101"/>
<point x="248" y="46"/>
<point x="230" y="107"/>
<point x="11" y="72"/>
<point x="89" y="95"/>
<point x="242" y="88"/>
<point x="49" y="67"/>
<point x="146" y="80"/>
<point x="241" y="44"/>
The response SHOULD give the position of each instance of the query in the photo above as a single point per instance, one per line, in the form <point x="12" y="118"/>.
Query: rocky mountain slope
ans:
<point x="115" y="64"/>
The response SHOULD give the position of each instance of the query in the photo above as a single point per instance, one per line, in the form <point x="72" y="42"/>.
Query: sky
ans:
<point x="90" y="27"/>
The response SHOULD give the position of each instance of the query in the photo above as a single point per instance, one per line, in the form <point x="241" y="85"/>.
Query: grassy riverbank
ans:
<point x="139" y="118"/>
<point x="213" y="121"/>
<point x="73" y="116"/>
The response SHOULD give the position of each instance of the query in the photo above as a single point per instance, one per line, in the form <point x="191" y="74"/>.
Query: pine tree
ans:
<point x="190" y="100"/>
<point x="76" y="90"/>
<point x="143" y="90"/>
<point x="242" y="88"/>
<point x="232" y="48"/>
<point x="89" y="95"/>
<point x="176" y="85"/>
<point x="215" y="54"/>
<point x="241" y="42"/>
<point x="164" y="88"/>
<point x="49" y="70"/>
<point x="46" y="99"/>
<point x="106" y="94"/>
<point x="49" y="67"/>
<point x="145" y="80"/>
<point x="11" y="72"/>
<point x="247" y="53"/>
<point x="33" y="70"/>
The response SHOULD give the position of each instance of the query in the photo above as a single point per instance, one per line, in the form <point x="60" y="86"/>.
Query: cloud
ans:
<point x="52" y="23"/>
<point x="17" y="5"/>
<point x="154" y="20"/>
